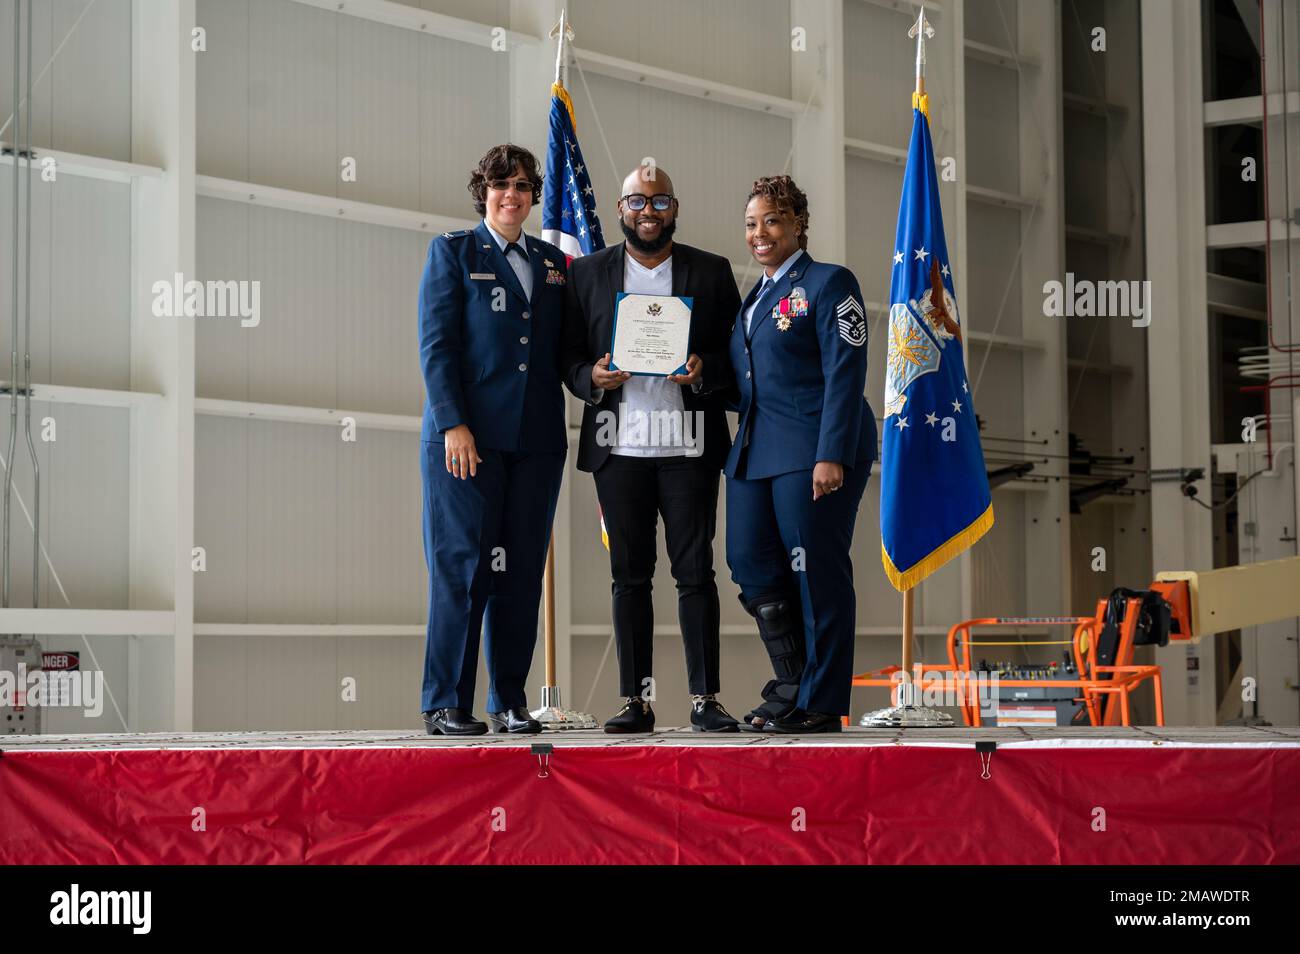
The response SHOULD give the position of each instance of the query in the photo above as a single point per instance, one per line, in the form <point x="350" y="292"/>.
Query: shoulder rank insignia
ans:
<point x="459" y="234"/>
<point x="851" y="321"/>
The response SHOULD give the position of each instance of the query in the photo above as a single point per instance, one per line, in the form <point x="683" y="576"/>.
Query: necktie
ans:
<point x="749" y="317"/>
<point x="516" y="247"/>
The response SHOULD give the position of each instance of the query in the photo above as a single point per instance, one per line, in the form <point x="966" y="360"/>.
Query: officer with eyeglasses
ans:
<point x="493" y="443"/>
<point x="655" y="445"/>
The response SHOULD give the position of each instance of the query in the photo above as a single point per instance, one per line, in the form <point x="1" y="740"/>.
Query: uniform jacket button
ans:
<point x="748" y="374"/>
<point x="527" y="315"/>
<point x="523" y="340"/>
<point x="523" y="367"/>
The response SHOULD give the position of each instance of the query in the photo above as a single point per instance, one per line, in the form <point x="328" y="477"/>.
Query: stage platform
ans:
<point x="1141" y="795"/>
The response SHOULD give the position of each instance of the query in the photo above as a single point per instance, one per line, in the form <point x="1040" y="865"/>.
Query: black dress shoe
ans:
<point x="801" y="722"/>
<point x="453" y="722"/>
<point x="517" y="721"/>
<point x="635" y="716"/>
<point x="707" y="715"/>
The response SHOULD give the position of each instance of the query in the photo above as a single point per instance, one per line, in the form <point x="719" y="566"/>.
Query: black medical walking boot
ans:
<point x="515" y="721"/>
<point x="780" y="626"/>
<point x="707" y="715"/>
<point x="635" y="716"/>
<point x="452" y="722"/>
<point x="801" y="722"/>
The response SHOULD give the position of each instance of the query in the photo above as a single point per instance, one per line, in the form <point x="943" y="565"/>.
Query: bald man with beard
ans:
<point x="642" y="470"/>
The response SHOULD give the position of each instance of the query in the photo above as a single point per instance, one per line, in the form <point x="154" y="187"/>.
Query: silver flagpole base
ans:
<point x="553" y="716"/>
<point x="906" y="717"/>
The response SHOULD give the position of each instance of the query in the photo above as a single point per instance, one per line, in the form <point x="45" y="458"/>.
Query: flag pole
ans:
<point x="905" y="713"/>
<point x="552" y="714"/>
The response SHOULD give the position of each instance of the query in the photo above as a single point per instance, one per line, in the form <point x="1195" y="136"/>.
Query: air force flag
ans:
<point x="934" y="490"/>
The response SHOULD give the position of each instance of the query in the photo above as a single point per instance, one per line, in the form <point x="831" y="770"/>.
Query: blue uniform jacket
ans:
<point x="490" y="356"/>
<point x="801" y="374"/>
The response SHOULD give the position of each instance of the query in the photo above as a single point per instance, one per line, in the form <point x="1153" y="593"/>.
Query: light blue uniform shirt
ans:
<point x="523" y="271"/>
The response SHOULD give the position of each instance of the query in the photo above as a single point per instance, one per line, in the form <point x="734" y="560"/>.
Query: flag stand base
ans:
<point x="553" y="716"/>
<point x="906" y="717"/>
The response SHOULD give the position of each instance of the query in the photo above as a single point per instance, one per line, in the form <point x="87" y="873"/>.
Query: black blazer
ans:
<point x="594" y="282"/>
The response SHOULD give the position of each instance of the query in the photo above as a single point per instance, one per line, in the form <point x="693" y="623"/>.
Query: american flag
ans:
<point x="569" y="217"/>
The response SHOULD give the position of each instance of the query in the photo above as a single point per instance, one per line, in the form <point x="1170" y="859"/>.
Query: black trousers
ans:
<point x="634" y="493"/>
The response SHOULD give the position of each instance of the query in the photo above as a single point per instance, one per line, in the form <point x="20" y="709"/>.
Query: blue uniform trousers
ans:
<point x="767" y="519"/>
<point x="485" y="541"/>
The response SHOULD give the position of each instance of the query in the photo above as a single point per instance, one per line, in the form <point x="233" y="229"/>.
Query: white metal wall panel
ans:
<point x="493" y="12"/>
<point x="993" y="22"/>
<point x="879" y="75"/>
<point x="377" y="507"/>
<point x="254" y="683"/>
<point x="221" y="345"/>
<point x="994" y="272"/>
<point x="301" y="526"/>
<point x="684" y="36"/>
<point x="83" y="505"/>
<point x="90" y="289"/>
<point x="293" y="352"/>
<point x="80" y="279"/>
<point x="378" y="284"/>
<point x="293" y="531"/>
<point x="42" y="248"/>
<point x="992" y="127"/>
<point x="713" y="153"/>
<point x="996" y="381"/>
<point x="387" y="670"/>
<point x="90" y="81"/>
<point x="339" y="302"/>
<point x="293" y="96"/>
<point x="221" y="515"/>
<point x="379" y="89"/>
<point x="454" y="136"/>
<point x="871" y="194"/>
<point x="83" y="103"/>
<point x="222" y="90"/>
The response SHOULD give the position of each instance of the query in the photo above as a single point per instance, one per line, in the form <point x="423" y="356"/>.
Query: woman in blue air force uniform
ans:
<point x="493" y="442"/>
<point x="799" y="463"/>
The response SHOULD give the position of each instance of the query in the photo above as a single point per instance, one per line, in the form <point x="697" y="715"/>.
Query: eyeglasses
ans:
<point x="660" y="203"/>
<point x="503" y="185"/>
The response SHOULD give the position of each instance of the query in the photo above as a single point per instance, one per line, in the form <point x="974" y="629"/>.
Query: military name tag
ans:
<point x="482" y="276"/>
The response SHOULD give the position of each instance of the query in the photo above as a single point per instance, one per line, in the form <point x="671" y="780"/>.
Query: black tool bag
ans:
<point x="1152" y="624"/>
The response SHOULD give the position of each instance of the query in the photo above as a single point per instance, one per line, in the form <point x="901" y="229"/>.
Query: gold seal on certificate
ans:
<point x="651" y="334"/>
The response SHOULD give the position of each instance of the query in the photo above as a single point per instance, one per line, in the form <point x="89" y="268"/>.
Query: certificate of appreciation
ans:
<point x="651" y="334"/>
